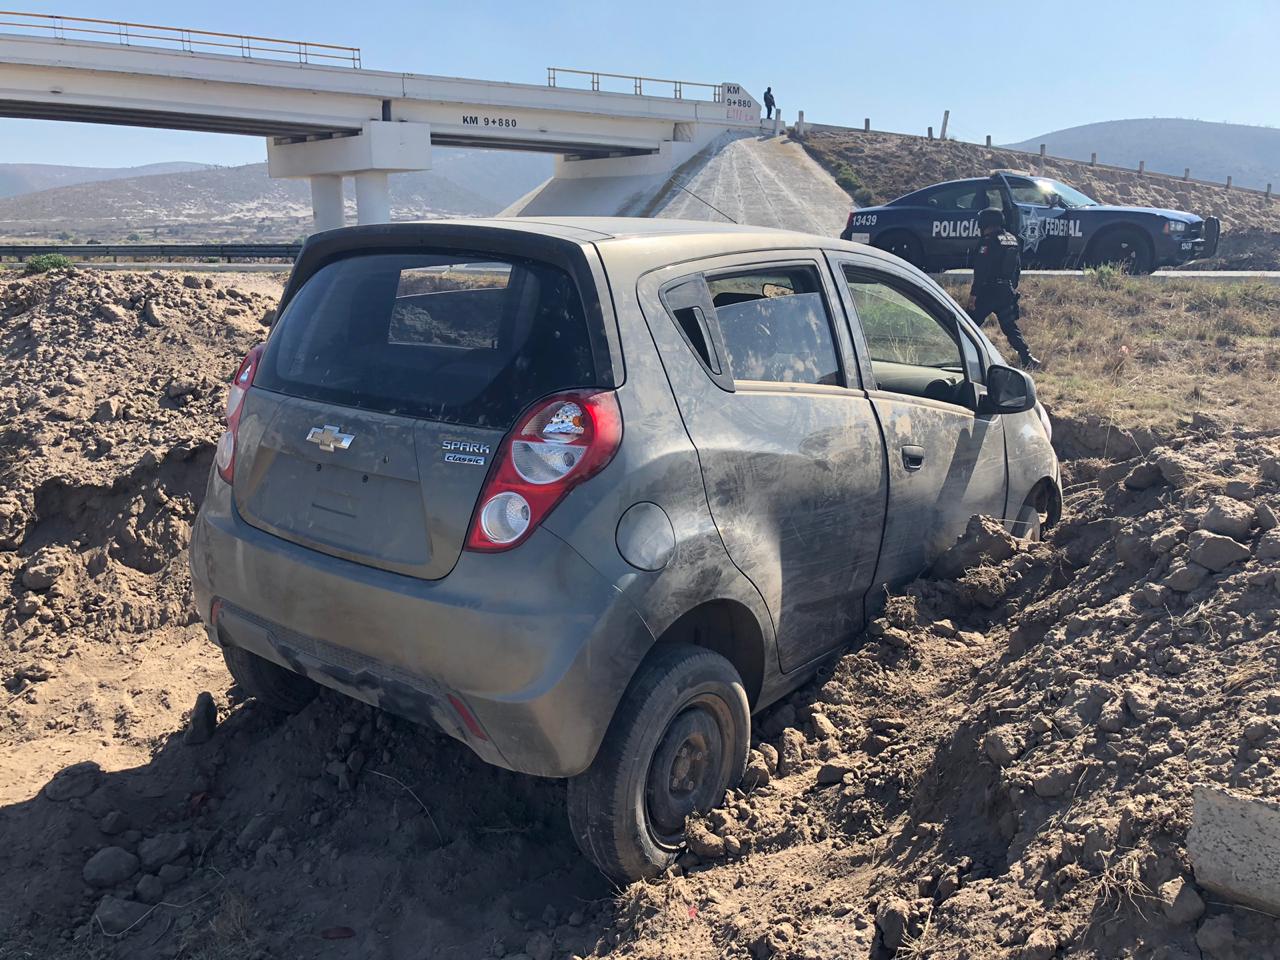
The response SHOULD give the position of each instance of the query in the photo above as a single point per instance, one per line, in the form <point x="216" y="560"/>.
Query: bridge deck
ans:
<point x="118" y="83"/>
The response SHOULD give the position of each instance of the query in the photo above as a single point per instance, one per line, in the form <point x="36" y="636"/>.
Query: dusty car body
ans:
<point x="770" y="427"/>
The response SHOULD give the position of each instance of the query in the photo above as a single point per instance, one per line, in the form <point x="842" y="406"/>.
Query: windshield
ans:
<point x="1070" y="195"/>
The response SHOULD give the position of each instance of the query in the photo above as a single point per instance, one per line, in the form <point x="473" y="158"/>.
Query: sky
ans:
<point x="1013" y="70"/>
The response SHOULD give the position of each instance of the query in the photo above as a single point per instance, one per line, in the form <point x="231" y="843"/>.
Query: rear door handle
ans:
<point x="912" y="456"/>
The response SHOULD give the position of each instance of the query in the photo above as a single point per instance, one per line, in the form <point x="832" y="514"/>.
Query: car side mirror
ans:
<point x="1008" y="391"/>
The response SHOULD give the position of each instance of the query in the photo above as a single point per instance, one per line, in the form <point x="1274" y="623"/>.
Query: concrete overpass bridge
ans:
<point x="325" y="117"/>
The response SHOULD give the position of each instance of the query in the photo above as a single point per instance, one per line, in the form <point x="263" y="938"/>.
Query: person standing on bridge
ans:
<point x="768" y="103"/>
<point x="997" y="265"/>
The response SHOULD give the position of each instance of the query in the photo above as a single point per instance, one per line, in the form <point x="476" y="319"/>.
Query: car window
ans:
<point x="433" y="305"/>
<point x="454" y="337"/>
<point x="1025" y="191"/>
<point x="775" y="325"/>
<point x="967" y="197"/>
<point x="911" y="350"/>
<point x="685" y="302"/>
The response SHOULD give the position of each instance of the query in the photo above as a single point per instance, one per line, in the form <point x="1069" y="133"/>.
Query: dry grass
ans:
<point x="1145" y="352"/>
<point x="1120" y="887"/>
<point x="227" y="934"/>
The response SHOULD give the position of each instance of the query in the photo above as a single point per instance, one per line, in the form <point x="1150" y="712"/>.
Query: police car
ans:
<point x="935" y="228"/>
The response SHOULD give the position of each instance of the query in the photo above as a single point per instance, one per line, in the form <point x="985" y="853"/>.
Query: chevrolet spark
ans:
<point x="586" y="494"/>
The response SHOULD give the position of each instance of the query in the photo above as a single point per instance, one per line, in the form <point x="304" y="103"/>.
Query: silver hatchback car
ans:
<point x="588" y="493"/>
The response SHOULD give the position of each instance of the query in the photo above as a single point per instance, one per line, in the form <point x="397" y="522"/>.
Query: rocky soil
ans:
<point x="1001" y="768"/>
<point x="1004" y="767"/>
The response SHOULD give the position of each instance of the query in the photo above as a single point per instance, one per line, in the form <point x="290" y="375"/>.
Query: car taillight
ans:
<point x="225" y="457"/>
<point x="556" y="444"/>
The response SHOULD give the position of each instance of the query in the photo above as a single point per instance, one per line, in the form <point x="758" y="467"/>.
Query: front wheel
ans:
<point x="677" y="742"/>
<point x="1030" y="524"/>
<point x="1127" y="247"/>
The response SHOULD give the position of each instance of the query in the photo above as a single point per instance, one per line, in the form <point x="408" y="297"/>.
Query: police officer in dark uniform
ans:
<point x="996" y="268"/>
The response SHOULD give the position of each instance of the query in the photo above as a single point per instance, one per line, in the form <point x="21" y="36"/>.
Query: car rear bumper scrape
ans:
<point x="522" y="655"/>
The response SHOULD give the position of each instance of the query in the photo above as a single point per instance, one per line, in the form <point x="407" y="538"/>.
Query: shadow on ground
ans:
<point x="337" y="832"/>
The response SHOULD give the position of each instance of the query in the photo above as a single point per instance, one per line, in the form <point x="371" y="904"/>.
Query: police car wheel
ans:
<point x="904" y="245"/>
<point x="1126" y="247"/>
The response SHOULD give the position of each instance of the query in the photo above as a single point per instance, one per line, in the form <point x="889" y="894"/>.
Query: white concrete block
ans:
<point x="1234" y="846"/>
<point x="385" y="145"/>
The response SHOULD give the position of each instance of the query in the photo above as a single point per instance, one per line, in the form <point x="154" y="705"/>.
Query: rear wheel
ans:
<point x="1127" y="247"/>
<point x="904" y="245"/>
<point x="677" y="742"/>
<point x="270" y="684"/>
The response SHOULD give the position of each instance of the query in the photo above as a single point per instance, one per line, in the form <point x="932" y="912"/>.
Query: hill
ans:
<point x="882" y="166"/>
<point x="20" y="178"/>
<point x="243" y="203"/>
<point x="1213" y="151"/>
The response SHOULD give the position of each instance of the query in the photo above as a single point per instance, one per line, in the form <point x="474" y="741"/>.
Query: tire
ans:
<point x="685" y="714"/>
<point x="902" y="244"/>
<point x="1126" y="246"/>
<point x="270" y="684"/>
<point x="1029" y="525"/>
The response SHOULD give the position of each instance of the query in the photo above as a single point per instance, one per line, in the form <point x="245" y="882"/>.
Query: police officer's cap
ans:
<point x="990" y="217"/>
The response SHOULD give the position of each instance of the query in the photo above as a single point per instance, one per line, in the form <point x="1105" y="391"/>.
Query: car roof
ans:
<point x="599" y="229"/>
<point x="638" y="243"/>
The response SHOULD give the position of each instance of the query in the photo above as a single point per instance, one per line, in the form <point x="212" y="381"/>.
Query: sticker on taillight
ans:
<point x="565" y="423"/>
<point x="562" y="442"/>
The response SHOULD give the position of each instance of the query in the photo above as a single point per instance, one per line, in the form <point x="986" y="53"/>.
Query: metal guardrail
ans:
<point x="135" y="251"/>
<point x="637" y="83"/>
<point x="189" y="41"/>
<point x="1035" y="157"/>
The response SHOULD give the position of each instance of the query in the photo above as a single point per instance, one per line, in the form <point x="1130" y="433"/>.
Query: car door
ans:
<point x="952" y="229"/>
<point x="1043" y="225"/>
<point x="790" y="450"/>
<point x="924" y="369"/>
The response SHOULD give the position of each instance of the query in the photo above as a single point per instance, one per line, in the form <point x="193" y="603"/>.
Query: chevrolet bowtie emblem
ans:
<point x="330" y="438"/>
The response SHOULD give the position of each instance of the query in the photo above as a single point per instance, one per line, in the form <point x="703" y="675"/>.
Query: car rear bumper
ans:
<point x="522" y="655"/>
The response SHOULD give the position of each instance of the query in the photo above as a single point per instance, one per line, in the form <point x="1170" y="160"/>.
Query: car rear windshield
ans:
<point x="463" y="339"/>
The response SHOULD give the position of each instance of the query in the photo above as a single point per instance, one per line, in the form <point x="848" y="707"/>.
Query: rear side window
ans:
<point x="965" y="197"/>
<point x="775" y="326"/>
<point x="469" y="340"/>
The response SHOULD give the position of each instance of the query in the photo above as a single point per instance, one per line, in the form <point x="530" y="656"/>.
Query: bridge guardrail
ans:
<point x="181" y="38"/>
<point x="637" y="83"/>
<point x="134" y="251"/>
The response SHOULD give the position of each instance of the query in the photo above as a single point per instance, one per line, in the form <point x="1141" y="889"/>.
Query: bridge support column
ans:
<point x="326" y="201"/>
<point x="373" y="198"/>
<point x="381" y="147"/>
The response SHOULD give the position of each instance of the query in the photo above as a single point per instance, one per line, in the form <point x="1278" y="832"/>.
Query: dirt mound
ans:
<point x="110" y="399"/>
<point x="1005" y="768"/>
<point x="1243" y="248"/>
<point x="1002" y="768"/>
<point x="890" y="165"/>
